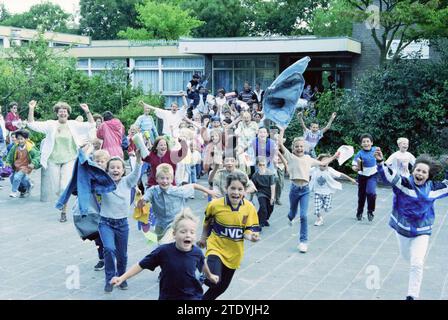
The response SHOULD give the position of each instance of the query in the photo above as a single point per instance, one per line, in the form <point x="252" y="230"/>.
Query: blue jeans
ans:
<point x="114" y="234"/>
<point x="299" y="195"/>
<point x="193" y="174"/>
<point x="20" y="179"/>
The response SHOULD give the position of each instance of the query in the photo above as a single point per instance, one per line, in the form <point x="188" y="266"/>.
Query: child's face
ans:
<point x="323" y="168"/>
<point x="366" y="144"/>
<point x="420" y="173"/>
<point x="21" y="140"/>
<point x="227" y="115"/>
<point x="235" y="192"/>
<point x="185" y="235"/>
<point x="257" y="118"/>
<point x="314" y="127"/>
<point x="96" y="144"/>
<point x="164" y="180"/>
<point x="146" y="110"/>
<point x="98" y="122"/>
<point x="215" y="138"/>
<point x="162" y="147"/>
<point x="262" y="167"/>
<point x="299" y="148"/>
<point x="13" y="139"/>
<point x="116" y="170"/>
<point x="403" y="146"/>
<point x="229" y="163"/>
<point x="132" y="131"/>
<point x="101" y="161"/>
<point x="262" y="134"/>
<point x="246" y="117"/>
<point x="216" y="124"/>
<point x="197" y="118"/>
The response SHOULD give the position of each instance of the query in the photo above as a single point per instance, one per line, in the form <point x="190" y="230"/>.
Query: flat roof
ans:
<point x="268" y="45"/>
<point x="28" y="34"/>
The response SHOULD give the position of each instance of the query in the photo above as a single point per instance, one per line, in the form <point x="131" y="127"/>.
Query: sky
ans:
<point x="19" y="6"/>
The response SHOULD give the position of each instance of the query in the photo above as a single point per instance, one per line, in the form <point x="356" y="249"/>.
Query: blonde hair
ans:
<point x="185" y="214"/>
<point x="101" y="154"/>
<point x="164" y="168"/>
<point x="62" y="105"/>
<point x="400" y="140"/>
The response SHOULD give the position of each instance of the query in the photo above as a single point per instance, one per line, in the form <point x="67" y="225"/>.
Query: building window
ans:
<point x="2" y="44"/>
<point x="230" y="73"/>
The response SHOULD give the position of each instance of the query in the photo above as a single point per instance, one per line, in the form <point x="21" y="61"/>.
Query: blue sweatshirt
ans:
<point x="413" y="206"/>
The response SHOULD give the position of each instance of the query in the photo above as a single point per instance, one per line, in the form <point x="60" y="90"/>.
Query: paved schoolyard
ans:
<point x="42" y="258"/>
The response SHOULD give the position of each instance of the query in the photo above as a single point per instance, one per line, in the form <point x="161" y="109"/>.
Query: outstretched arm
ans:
<point x="302" y="123"/>
<point x="280" y="140"/>
<point x="85" y="108"/>
<point x="327" y="127"/>
<point x="135" y="269"/>
<point x="31" y="106"/>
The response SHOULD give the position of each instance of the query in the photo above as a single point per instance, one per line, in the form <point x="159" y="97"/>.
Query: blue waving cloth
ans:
<point x="281" y="97"/>
<point x="87" y="178"/>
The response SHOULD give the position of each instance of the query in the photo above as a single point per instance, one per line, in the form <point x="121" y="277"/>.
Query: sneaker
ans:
<point x="290" y="222"/>
<point x="303" y="247"/>
<point x="319" y="221"/>
<point x="108" y="288"/>
<point x="266" y="224"/>
<point x="123" y="286"/>
<point x="370" y="215"/>
<point x="99" y="266"/>
<point x="359" y="216"/>
<point x="63" y="217"/>
<point x="14" y="194"/>
<point x="277" y="202"/>
<point x="410" y="298"/>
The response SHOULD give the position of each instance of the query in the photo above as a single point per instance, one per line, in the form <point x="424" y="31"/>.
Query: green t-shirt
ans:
<point x="64" y="149"/>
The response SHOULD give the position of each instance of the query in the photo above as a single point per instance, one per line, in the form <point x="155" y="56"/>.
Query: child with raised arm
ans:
<point x="228" y="221"/>
<point x="412" y="214"/>
<point x="166" y="200"/>
<point x="314" y="134"/>
<point x="113" y="226"/>
<point x="324" y="185"/>
<point x="299" y="167"/>
<point x="179" y="262"/>
<point x="402" y="160"/>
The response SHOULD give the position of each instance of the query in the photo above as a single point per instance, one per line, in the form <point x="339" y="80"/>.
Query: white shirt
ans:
<point x="323" y="182"/>
<point x="400" y="162"/>
<point x="171" y="119"/>
<point x="80" y="131"/>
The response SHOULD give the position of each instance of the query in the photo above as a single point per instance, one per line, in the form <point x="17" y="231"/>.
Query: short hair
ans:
<point x="101" y="154"/>
<point x="266" y="128"/>
<point x="157" y="141"/>
<point x="221" y="91"/>
<point x="97" y="116"/>
<point x="215" y="118"/>
<point x="12" y="104"/>
<point x="196" y="76"/>
<point x="116" y="158"/>
<point x="237" y="176"/>
<point x="434" y="166"/>
<point x="185" y="214"/>
<point x="402" y="139"/>
<point x="364" y="136"/>
<point x="297" y="139"/>
<point x="323" y="155"/>
<point x="108" y="115"/>
<point x="25" y="134"/>
<point x="62" y="105"/>
<point x="164" y="168"/>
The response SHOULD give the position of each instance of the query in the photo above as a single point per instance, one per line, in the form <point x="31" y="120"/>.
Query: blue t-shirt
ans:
<point x="368" y="161"/>
<point x="178" y="279"/>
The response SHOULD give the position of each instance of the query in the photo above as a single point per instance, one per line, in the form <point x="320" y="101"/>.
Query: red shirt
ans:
<point x="10" y="117"/>
<point x="170" y="157"/>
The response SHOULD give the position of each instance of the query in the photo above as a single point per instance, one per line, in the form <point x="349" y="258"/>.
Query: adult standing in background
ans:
<point x="259" y="93"/>
<point x="59" y="148"/>
<point x="145" y="122"/>
<point x="111" y="131"/>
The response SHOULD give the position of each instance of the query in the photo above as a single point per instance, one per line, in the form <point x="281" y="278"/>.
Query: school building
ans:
<point x="166" y="66"/>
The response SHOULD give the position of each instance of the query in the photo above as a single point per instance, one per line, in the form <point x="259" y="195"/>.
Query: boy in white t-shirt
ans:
<point x="402" y="159"/>
<point x="323" y="184"/>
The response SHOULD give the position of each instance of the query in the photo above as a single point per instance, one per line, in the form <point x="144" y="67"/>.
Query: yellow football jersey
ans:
<point x="228" y="226"/>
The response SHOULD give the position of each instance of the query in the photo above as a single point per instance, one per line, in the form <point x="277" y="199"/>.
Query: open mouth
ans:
<point x="187" y="242"/>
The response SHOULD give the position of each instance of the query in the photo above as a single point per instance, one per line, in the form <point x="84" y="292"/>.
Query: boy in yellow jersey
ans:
<point x="228" y="221"/>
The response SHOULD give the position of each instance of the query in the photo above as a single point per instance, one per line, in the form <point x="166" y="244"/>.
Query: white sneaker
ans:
<point x="303" y="247"/>
<point x="14" y="194"/>
<point x="319" y="221"/>
<point x="290" y="222"/>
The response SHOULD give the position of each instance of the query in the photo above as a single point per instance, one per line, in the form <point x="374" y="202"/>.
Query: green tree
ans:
<point x="282" y="17"/>
<point x="4" y="13"/>
<point x="225" y="18"/>
<point x="103" y="19"/>
<point x="47" y="16"/>
<point x="161" y="20"/>
<point x="402" y="20"/>
<point x="336" y="20"/>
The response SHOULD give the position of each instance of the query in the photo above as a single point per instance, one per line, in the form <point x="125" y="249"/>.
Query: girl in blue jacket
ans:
<point x="413" y="212"/>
